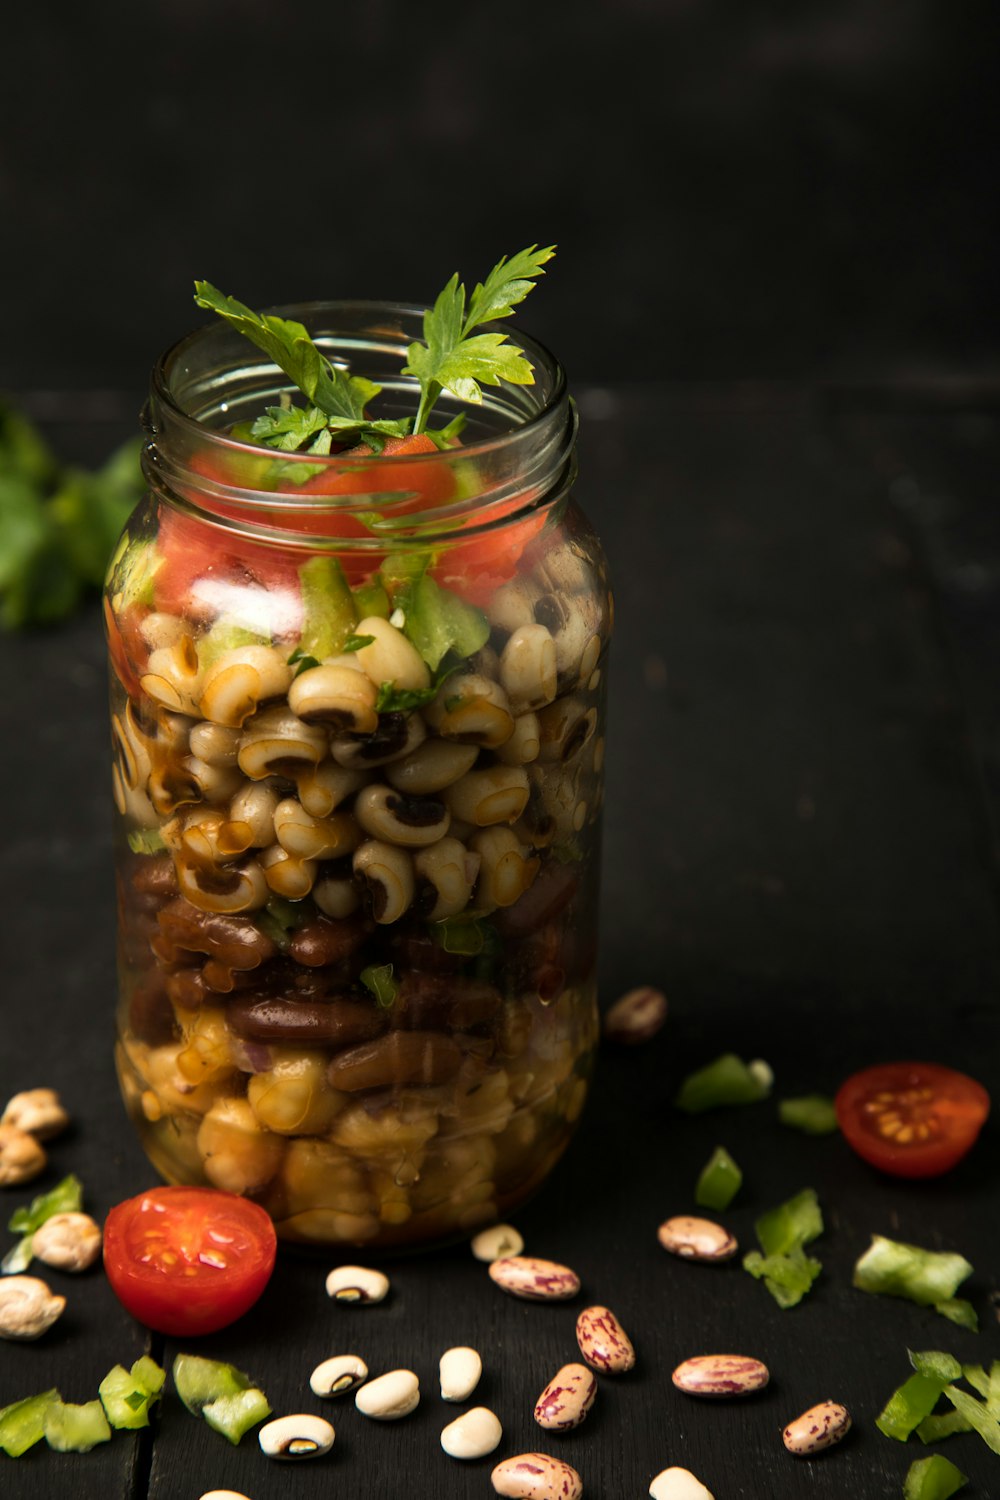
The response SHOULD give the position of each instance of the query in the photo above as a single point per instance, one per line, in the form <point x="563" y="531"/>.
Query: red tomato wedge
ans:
<point x="187" y="1261"/>
<point x="911" y="1119"/>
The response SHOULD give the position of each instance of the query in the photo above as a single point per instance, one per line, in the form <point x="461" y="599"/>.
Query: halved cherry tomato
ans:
<point x="912" y="1119"/>
<point x="188" y="1260"/>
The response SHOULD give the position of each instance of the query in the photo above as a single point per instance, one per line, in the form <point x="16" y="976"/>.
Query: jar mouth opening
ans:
<point x="519" y="443"/>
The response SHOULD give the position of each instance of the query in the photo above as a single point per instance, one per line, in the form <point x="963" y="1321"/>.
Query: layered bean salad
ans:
<point x="358" y="666"/>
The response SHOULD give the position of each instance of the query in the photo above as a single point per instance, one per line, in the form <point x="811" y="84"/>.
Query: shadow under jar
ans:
<point x="358" y="732"/>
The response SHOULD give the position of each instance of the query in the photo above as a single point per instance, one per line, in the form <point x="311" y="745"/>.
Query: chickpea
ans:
<point x="238" y="1155"/>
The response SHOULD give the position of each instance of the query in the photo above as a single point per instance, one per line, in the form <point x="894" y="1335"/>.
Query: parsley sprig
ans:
<point x="452" y="358"/>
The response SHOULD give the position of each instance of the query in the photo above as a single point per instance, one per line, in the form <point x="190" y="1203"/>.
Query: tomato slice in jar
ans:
<point x="911" y="1119"/>
<point x="188" y="1261"/>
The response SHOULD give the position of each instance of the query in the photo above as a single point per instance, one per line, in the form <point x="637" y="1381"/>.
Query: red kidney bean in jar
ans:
<point x="358" y="732"/>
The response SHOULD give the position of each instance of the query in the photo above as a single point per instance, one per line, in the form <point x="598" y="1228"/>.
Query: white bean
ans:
<point x="472" y="1435"/>
<point x="390" y="1397"/>
<point x="460" y="1369"/>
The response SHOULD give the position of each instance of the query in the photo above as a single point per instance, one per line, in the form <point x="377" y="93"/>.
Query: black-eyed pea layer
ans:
<point x="513" y="605"/>
<point x="286" y="875"/>
<point x="173" y="676"/>
<point x="506" y="871"/>
<point x="528" y="671"/>
<point x="565" y="728"/>
<point x="277" y="743"/>
<point x="161" y="629"/>
<point x="570" y="629"/>
<point x="254" y="804"/>
<point x="390" y="657"/>
<point x="431" y="767"/>
<point x="524" y="744"/>
<point x="239" y="682"/>
<point x="488" y="795"/>
<point x="409" y="821"/>
<point x="387" y="873"/>
<point x="472" y="709"/>
<point x="321" y="789"/>
<point x="216" y="744"/>
<point x="306" y="837"/>
<point x="224" y="890"/>
<point x="335" y="896"/>
<point x="446" y="873"/>
<point x="216" y="784"/>
<point x="397" y="735"/>
<point x="338" y="696"/>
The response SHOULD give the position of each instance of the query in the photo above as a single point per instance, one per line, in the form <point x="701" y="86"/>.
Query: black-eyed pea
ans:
<point x="390" y="657"/>
<point x="678" y="1484"/>
<point x="818" y="1428"/>
<point x="357" y="1284"/>
<point x="472" y="709"/>
<point x="338" y="1376"/>
<point x="173" y="677"/>
<point x="323" y="788"/>
<point x="275" y="742"/>
<point x="524" y="744"/>
<point x="472" y="1435"/>
<point x="216" y="744"/>
<point x="505" y="869"/>
<point x="397" y="736"/>
<point x="337" y="696"/>
<point x="513" y="605"/>
<point x="566" y="1399"/>
<point x="494" y="794"/>
<point x="570" y="629"/>
<point x="431" y="767"/>
<point x="536" y="1476"/>
<point x="160" y="629"/>
<point x="528" y="668"/>
<point x="412" y="822"/>
<point x="296" y="1437"/>
<point x="496" y="1243"/>
<point x="238" y="682"/>
<point x="697" y="1239"/>
<point x="254" y="805"/>
<point x="217" y="784"/>
<point x="565" y="728"/>
<point x="305" y="837"/>
<point x="336" y="897"/>
<point x="447" y="872"/>
<point x="386" y="871"/>
<point x="390" y="1397"/>
<point x="287" y="875"/>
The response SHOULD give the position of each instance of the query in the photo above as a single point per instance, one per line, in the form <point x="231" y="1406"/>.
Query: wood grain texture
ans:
<point x="797" y="851"/>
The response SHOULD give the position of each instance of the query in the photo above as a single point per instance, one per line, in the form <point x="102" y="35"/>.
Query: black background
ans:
<point x="738" y="189"/>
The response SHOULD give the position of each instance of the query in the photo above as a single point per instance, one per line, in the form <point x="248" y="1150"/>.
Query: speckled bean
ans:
<point x="537" y="1280"/>
<point x="536" y="1476"/>
<point x="636" y="1017"/>
<point x="720" y="1375"/>
<point x="603" y="1341"/>
<point x="566" y="1399"/>
<point x="818" y="1428"/>
<point x="697" y="1239"/>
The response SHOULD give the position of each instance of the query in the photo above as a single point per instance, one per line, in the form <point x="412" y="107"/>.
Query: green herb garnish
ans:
<point x="453" y="358"/>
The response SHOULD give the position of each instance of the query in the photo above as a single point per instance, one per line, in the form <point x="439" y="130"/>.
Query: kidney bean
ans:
<point x="150" y="1013"/>
<point x="437" y="1002"/>
<point x="235" y="940"/>
<point x="399" y="1057"/>
<point x="550" y="893"/>
<point x="310" y="1023"/>
<point x="328" y="940"/>
<point x="188" y="988"/>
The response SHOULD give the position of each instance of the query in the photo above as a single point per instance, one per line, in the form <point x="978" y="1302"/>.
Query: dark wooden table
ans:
<point x="801" y="849"/>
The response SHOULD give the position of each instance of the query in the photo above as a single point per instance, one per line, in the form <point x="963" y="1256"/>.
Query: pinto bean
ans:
<point x="326" y="941"/>
<point x="399" y="1057"/>
<point x="310" y="1023"/>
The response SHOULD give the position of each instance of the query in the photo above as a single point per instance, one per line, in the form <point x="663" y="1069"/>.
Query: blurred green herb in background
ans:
<point x="58" y="524"/>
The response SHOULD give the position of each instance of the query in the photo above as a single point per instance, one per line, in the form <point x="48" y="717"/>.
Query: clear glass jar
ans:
<point x="357" y="882"/>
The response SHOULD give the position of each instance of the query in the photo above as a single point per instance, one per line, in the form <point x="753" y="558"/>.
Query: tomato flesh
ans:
<point x="911" y="1119"/>
<point x="188" y="1261"/>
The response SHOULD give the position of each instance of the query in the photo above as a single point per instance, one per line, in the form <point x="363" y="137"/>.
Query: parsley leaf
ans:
<point x="289" y="427"/>
<point x="452" y="358"/>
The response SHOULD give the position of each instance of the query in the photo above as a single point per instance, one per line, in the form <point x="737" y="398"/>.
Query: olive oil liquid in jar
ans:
<point x="358" y="731"/>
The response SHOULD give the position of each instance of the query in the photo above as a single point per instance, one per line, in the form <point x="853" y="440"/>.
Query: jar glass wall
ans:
<point x="358" y="732"/>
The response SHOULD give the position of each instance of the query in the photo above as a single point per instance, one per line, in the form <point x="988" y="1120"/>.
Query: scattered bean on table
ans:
<point x="697" y="1239"/>
<point x="720" y="1375"/>
<point x="459" y="1372"/>
<point x="818" y="1428"/>
<point x="537" y="1280"/>
<point x="566" y="1399"/>
<point x="536" y="1476"/>
<point x="472" y="1435"/>
<point x="636" y="1017"/>
<point x="603" y="1341"/>
<point x="296" y="1437"/>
